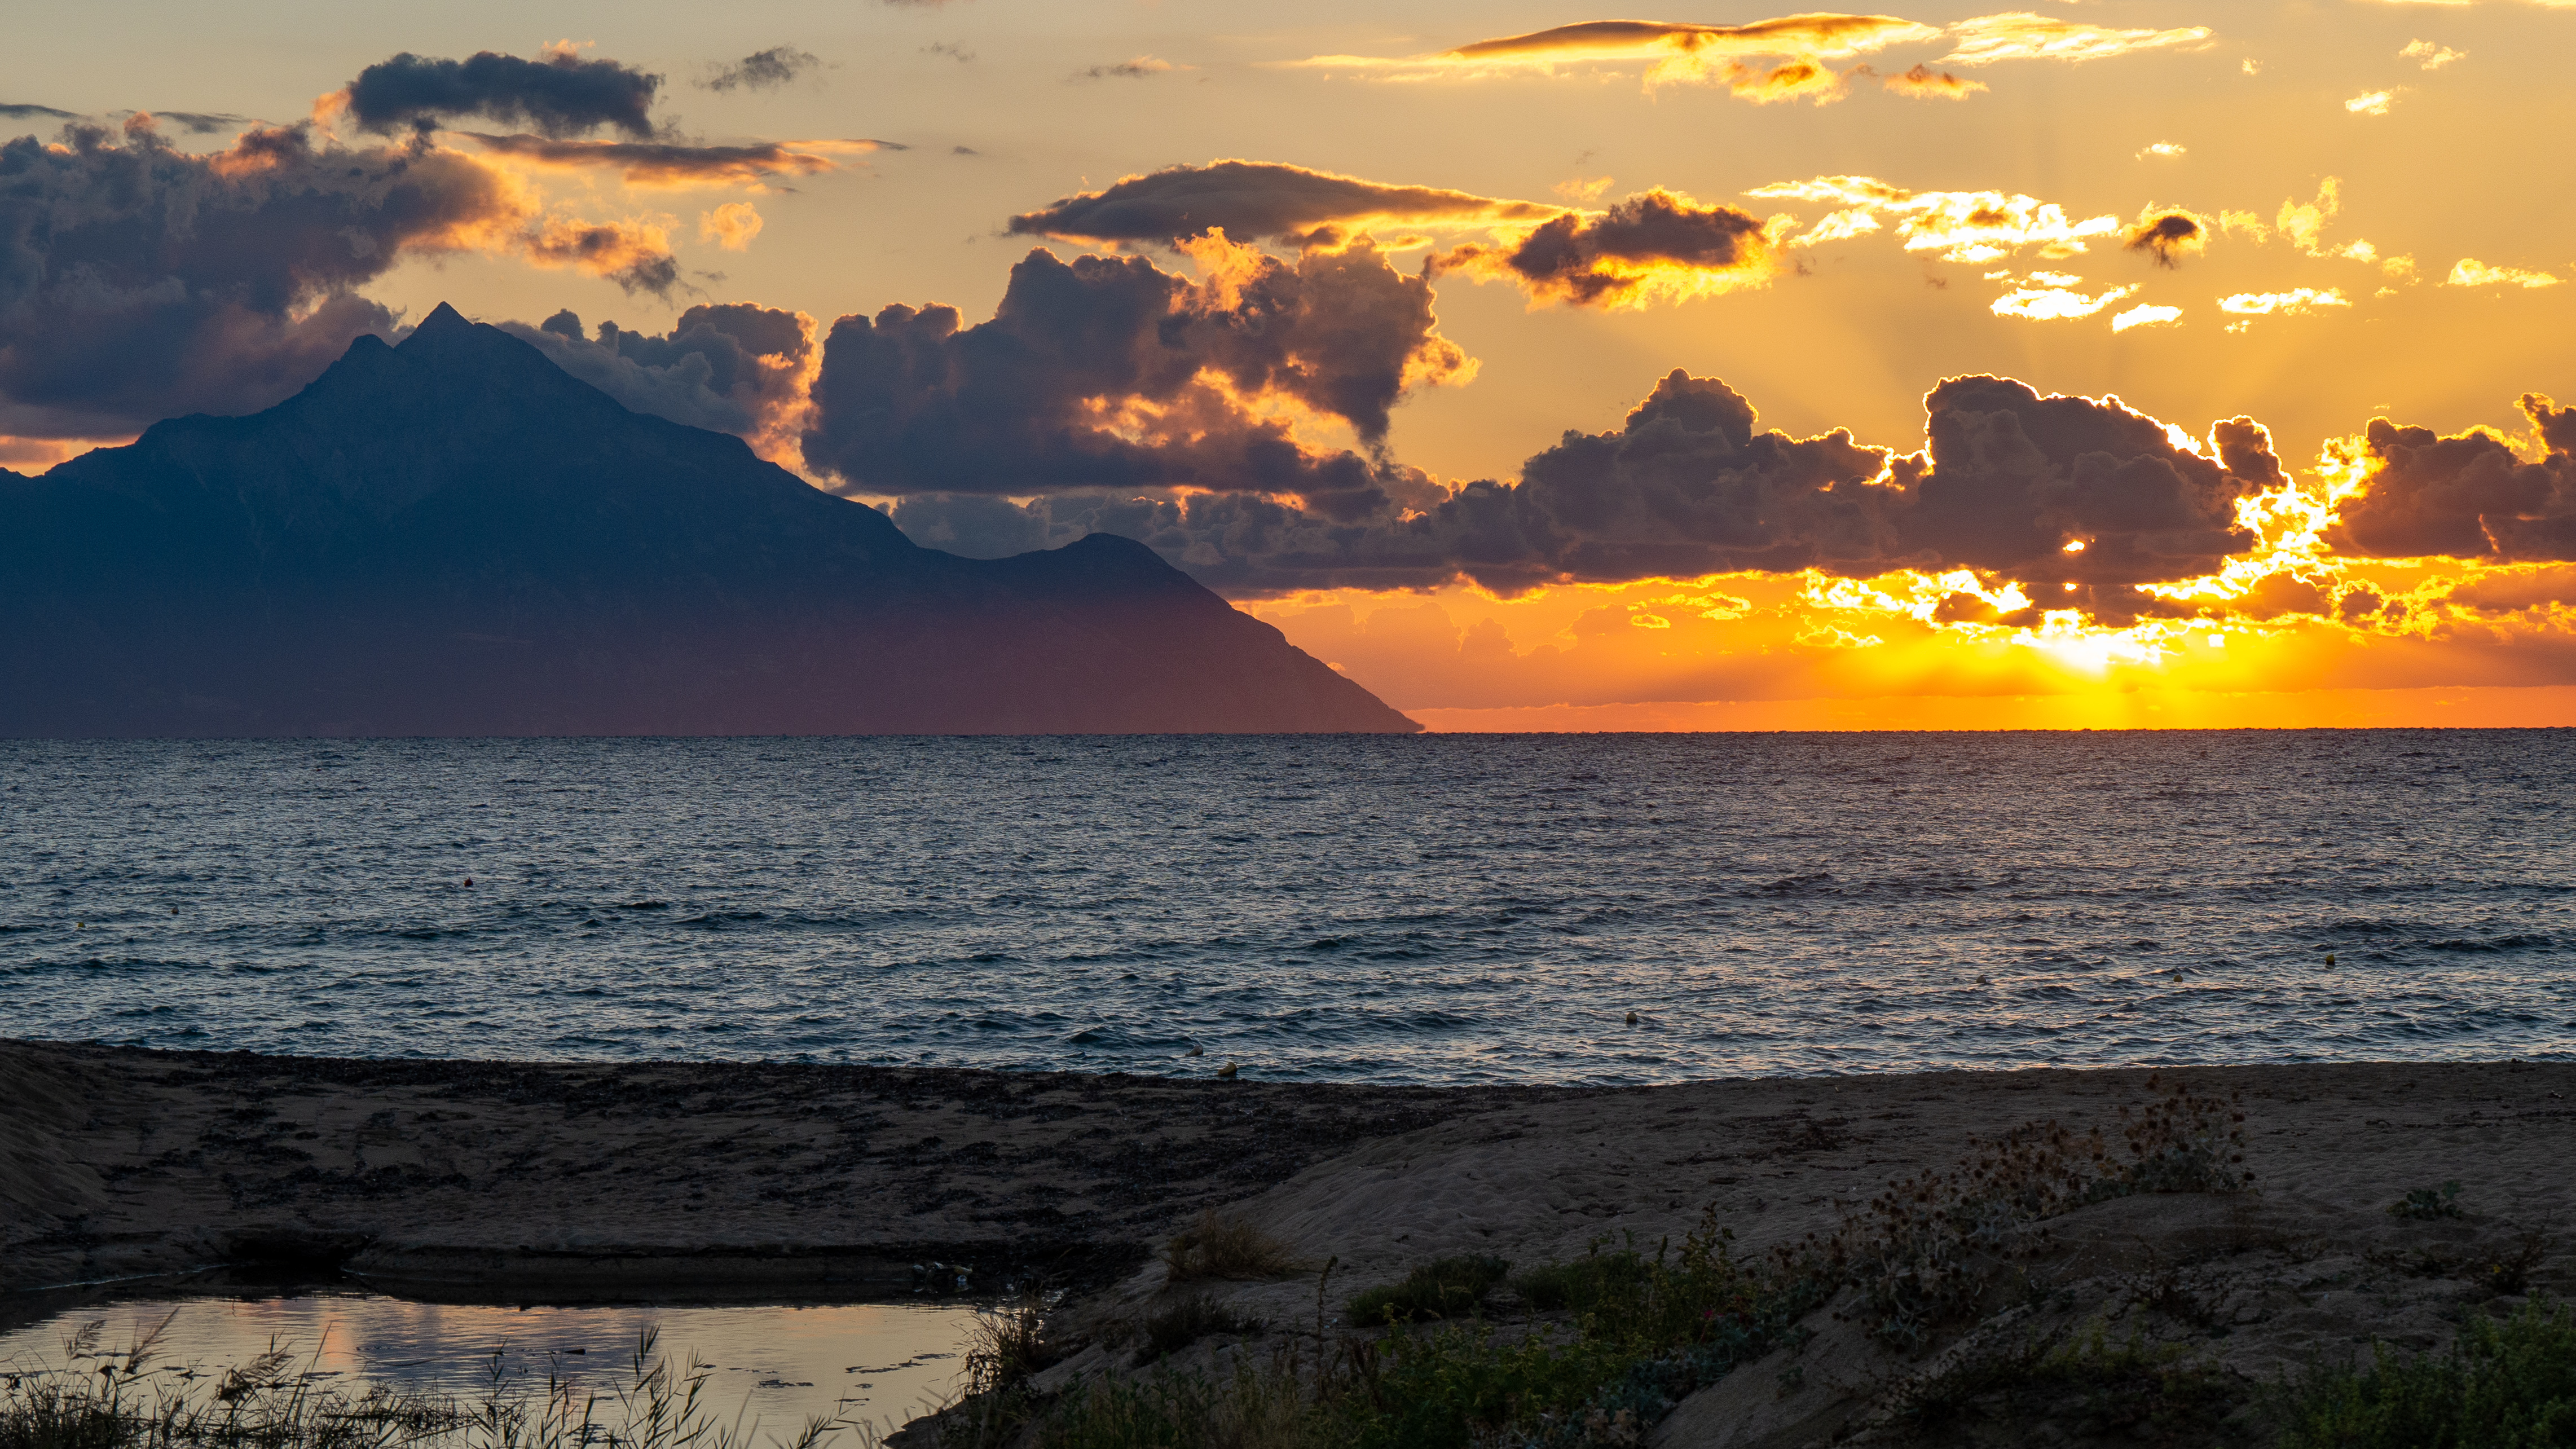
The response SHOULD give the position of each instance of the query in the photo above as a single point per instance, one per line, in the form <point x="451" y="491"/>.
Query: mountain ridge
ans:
<point x="454" y="536"/>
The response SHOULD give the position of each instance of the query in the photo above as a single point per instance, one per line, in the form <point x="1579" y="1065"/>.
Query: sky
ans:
<point x="2108" y="363"/>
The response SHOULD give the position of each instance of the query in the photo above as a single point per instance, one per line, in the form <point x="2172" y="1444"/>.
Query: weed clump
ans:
<point x="2508" y="1384"/>
<point x="1186" y="1322"/>
<point x="1226" y="1247"/>
<point x="1448" y="1288"/>
<point x="1916" y="1249"/>
<point x="2428" y="1204"/>
<point x="1584" y="1284"/>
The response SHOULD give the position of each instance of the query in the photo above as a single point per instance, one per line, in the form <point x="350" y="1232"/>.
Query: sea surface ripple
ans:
<point x="1440" y="909"/>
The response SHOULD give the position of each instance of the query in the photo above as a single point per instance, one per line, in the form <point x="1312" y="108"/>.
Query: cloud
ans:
<point x="2470" y="272"/>
<point x="1111" y="373"/>
<point x="1960" y="226"/>
<point x="2168" y="234"/>
<point x="2146" y="315"/>
<point x="1250" y="199"/>
<point x="1671" y="53"/>
<point x="731" y="226"/>
<point x="557" y="96"/>
<point x="2020" y="35"/>
<point x="2373" y="103"/>
<point x="734" y="368"/>
<point x="2470" y="496"/>
<point x="2292" y="302"/>
<point x="1653" y="247"/>
<point x="1922" y="81"/>
<point x="674" y="166"/>
<point x="1141" y="67"/>
<point x="2078" y="502"/>
<point x="22" y="111"/>
<point x="2161" y="148"/>
<point x="138" y="281"/>
<point x="763" y="70"/>
<point x="2303" y="225"/>
<point x="2433" y="56"/>
<point x="2055" y="303"/>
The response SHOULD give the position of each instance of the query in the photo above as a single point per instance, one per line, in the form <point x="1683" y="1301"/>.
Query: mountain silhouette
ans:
<point x="455" y="537"/>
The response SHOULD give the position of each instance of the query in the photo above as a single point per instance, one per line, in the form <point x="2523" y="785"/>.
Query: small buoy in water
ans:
<point x="1983" y="980"/>
<point x="78" y="925"/>
<point x="174" y="910"/>
<point x="469" y="880"/>
<point x="1632" y="1018"/>
<point x="2330" y="958"/>
<point x="1196" y="1051"/>
<point x="1227" y="1071"/>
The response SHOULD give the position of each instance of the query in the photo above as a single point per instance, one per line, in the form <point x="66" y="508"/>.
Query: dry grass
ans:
<point x="1227" y="1247"/>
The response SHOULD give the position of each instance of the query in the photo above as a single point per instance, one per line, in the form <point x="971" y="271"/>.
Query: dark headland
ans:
<point x="454" y="537"/>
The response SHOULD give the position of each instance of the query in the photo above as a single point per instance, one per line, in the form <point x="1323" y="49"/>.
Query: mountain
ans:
<point x="455" y="537"/>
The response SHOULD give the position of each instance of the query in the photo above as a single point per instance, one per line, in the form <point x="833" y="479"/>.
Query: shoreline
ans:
<point x="570" y="1182"/>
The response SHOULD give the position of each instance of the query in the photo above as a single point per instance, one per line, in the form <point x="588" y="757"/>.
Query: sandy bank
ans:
<point x="507" y="1179"/>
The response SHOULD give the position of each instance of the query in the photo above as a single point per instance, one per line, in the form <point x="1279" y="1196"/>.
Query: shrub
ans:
<point x="1449" y="1288"/>
<point x="1226" y="1247"/>
<point x="2503" y="1385"/>
<point x="2427" y="1204"/>
<point x="1584" y="1284"/>
<point x="1186" y="1322"/>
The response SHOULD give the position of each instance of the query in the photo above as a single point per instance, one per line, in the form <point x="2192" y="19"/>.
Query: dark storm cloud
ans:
<point x="672" y="163"/>
<point x="1111" y="373"/>
<point x="2016" y="478"/>
<point x="734" y="368"/>
<point x="22" y="111"/>
<point x="2470" y="496"/>
<point x="1689" y="485"/>
<point x="763" y="70"/>
<point x="558" y="95"/>
<point x="2245" y="449"/>
<point x="1649" y="242"/>
<point x="138" y="282"/>
<point x="2168" y="236"/>
<point x="1250" y="199"/>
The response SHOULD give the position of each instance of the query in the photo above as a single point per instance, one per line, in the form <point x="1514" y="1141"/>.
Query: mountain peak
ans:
<point x="442" y="318"/>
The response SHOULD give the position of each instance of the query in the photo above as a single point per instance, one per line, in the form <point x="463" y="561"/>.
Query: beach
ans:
<point x="517" y="1181"/>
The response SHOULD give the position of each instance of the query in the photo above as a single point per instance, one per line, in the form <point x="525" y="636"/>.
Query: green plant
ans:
<point x="1449" y="1288"/>
<point x="2503" y="1385"/>
<point x="1189" y="1320"/>
<point x="1226" y="1247"/>
<point x="1585" y="1283"/>
<point x="2426" y="1204"/>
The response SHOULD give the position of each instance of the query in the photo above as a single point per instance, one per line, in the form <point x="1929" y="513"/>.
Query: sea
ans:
<point x="1432" y="909"/>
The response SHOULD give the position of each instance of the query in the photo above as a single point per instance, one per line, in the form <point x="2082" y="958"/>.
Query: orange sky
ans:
<point x="1509" y="222"/>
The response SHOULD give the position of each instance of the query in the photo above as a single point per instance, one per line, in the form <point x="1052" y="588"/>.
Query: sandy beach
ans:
<point x="502" y="1180"/>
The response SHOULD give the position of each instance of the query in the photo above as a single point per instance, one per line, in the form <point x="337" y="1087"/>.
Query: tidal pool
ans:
<point x="770" y="1368"/>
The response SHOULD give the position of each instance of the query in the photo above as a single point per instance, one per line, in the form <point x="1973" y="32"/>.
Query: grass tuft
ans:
<point x="1227" y="1247"/>
<point x="1186" y="1322"/>
<point x="1449" y="1288"/>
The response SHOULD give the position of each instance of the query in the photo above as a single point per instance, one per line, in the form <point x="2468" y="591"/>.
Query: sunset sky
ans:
<point x="1538" y="367"/>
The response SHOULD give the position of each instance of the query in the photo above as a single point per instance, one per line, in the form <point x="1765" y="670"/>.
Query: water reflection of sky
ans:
<point x="877" y="1363"/>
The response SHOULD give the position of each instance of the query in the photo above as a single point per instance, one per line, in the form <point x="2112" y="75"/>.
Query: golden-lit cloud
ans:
<point x="1958" y="226"/>
<point x="2434" y="57"/>
<point x="1668" y="53"/>
<point x="2296" y="300"/>
<point x="2373" y="103"/>
<point x="673" y="166"/>
<point x="2168" y="234"/>
<point x="1654" y="247"/>
<point x="2056" y="303"/>
<point x="730" y="226"/>
<point x="2165" y="149"/>
<point x="1923" y="82"/>
<point x="2146" y="315"/>
<point x="1250" y="199"/>
<point x="2021" y="35"/>
<point x="2470" y="272"/>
